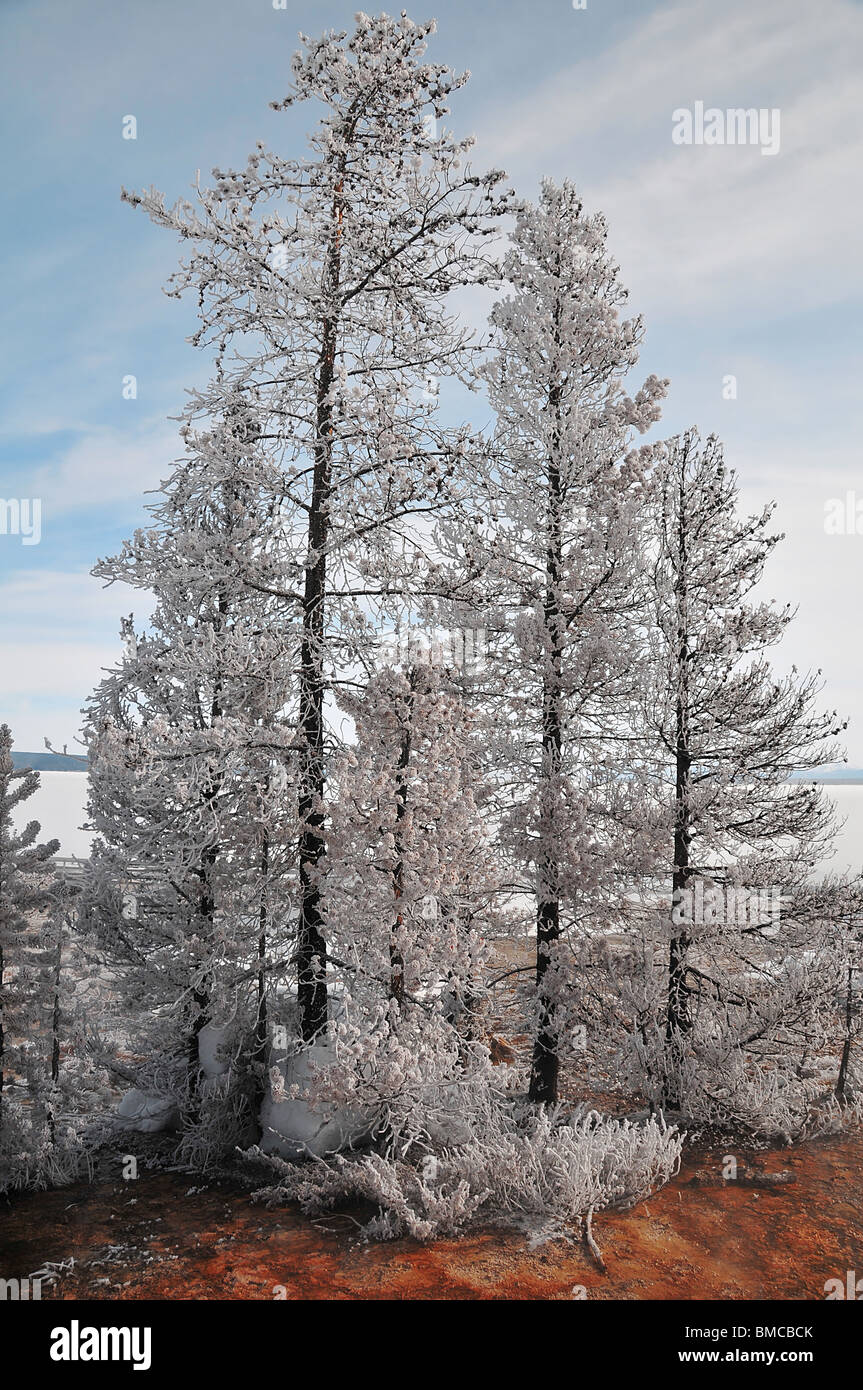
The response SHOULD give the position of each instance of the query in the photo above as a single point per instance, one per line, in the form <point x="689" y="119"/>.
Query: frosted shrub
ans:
<point x="760" y="1059"/>
<point x="38" y="1149"/>
<point x="725" y="1088"/>
<point x="221" y="1119"/>
<point x="516" y="1162"/>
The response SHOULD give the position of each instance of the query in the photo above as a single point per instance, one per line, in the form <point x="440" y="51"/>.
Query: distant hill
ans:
<point x="829" y="774"/>
<point x="49" y="762"/>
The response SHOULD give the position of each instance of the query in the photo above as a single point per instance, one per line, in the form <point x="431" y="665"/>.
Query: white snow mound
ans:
<point x="147" y="1114"/>
<point x="292" y="1128"/>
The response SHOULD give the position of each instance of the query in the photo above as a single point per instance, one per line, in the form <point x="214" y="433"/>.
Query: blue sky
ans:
<point x="742" y="264"/>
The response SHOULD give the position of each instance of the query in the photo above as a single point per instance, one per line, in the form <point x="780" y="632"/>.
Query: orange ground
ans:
<point x="697" y="1239"/>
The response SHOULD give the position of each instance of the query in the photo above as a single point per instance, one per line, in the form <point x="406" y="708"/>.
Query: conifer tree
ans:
<point x="192" y="758"/>
<point x="329" y="279"/>
<point x="413" y="895"/>
<point x="553" y="541"/>
<point x="26" y="897"/>
<point x="727" y="734"/>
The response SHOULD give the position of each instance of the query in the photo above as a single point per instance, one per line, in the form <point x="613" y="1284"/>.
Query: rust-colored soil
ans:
<point x="699" y="1238"/>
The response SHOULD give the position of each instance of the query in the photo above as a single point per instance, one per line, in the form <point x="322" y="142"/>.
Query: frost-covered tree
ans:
<point x="741" y="963"/>
<point x="553" y="541"/>
<point x="414" y="890"/>
<point x="25" y="894"/>
<point x="329" y="278"/>
<point x="192" y="759"/>
<point x="411" y="897"/>
<point x="823" y="928"/>
<point x="36" y="1142"/>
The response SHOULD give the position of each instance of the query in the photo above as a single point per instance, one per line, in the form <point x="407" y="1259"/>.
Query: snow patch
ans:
<point x="147" y="1114"/>
<point x="294" y="1128"/>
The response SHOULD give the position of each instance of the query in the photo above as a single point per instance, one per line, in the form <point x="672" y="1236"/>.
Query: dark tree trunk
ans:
<point x="311" y="944"/>
<point x="545" y="1065"/>
<point x="206" y="915"/>
<point x="842" y="1079"/>
<point x="397" y="961"/>
<point x="201" y="994"/>
<point x="55" y="1016"/>
<point x="259" y="1050"/>
<point x="678" y="1019"/>
<point x="2" y="1037"/>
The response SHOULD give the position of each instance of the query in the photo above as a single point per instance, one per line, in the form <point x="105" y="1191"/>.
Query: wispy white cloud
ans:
<point x="46" y="605"/>
<point x="712" y="226"/>
<point x="60" y="633"/>
<point x="108" y="465"/>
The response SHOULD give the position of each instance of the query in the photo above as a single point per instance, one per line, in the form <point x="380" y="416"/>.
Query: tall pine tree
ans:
<point x="330" y="278"/>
